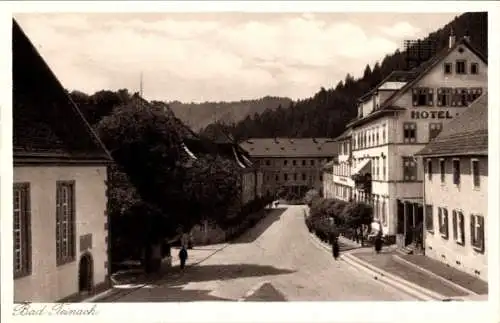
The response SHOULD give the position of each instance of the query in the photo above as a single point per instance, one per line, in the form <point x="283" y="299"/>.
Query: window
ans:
<point x="303" y="163"/>
<point x="285" y="176"/>
<point x="442" y="169"/>
<point x="456" y="171"/>
<point x="277" y="177"/>
<point x="384" y="216"/>
<point x="383" y="134"/>
<point x="22" y="230"/>
<point x="447" y="68"/>
<point x="429" y="169"/>
<point x="429" y="218"/>
<point x="473" y="94"/>
<point x="410" y="132"/>
<point x="383" y="168"/>
<point x="443" y="222"/>
<point x="294" y="177"/>
<point x="423" y="96"/>
<point x="320" y="177"/>
<point x="477" y="232"/>
<point x="294" y="162"/>
<point x="285" y="162"/>
<point x="409" y="169"/>
<point x="65" y="222"/>
<point x="476" y="177"/>
<point x="304" y="177"/>
<point x="474" y="68"/>
<point x="377" y="139"/>
<point x="460" y="67"/>
<point x="444" y="96"/>
<point x="268" y="163"/>
<point x="377" y="164"/>
<point x="460" y="97"/>
<point x="434" y="130"/>
<point x="458" y="227"/>
<point x="312" y="162"/>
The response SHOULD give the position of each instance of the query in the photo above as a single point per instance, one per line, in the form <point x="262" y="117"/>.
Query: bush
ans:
<point x="310" y="196"/>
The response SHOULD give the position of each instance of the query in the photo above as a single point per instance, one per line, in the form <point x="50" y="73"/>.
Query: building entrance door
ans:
<point x="86" y="273"/>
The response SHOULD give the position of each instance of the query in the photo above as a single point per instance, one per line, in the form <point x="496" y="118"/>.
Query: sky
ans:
<point x="198" y="57"/>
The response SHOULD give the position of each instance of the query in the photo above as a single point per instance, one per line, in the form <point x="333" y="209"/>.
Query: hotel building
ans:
<point x="396" y="120"/>
<point x="456" y="192"/>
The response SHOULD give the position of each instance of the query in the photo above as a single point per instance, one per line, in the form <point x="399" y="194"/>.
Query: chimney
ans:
<point x="467" y="36"/>
<point x="452" y="38"/>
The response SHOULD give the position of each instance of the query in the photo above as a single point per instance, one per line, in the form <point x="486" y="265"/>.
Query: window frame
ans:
<point x="456" y="171"/>
<point x="458" y="227"/>
<point x="444" y="97"/>
<point x="448" y="65"/>
<point x="412" y="132"/>
<point x="472" y="162"/>
<point x="25" y="238"/>
<point x="61" y="257"/>
<point x="477" y="245"/>
<point x="443" y="217"/>
<point x="461" y="61"/>
<point x="433" y="133"/>
<point x="472" y="66"/>
<point x="442" y="170"/>
<point x="420" y="92"/>
<point x="406" y="169"/>
<point x="429" y="225"/>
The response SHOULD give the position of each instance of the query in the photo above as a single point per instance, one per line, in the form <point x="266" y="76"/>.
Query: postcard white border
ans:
<point x="265" y="312"/>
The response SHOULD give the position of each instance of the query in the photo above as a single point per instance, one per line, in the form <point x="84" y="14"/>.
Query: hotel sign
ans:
<point x="431" y="115"/>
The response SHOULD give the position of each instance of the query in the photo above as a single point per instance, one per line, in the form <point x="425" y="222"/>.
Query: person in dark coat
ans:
<point x="335" y="248"/>
<point x="183" y="257"/>
<point x="378" y="241"/>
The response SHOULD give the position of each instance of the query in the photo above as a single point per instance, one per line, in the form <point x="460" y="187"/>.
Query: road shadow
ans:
<point x="252" y="234"/>
<point x="221" y="272"/>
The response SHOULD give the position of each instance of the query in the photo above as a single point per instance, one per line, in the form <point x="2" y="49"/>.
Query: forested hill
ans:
<point x="326" y="113"/>
<point x="199" y="115"/>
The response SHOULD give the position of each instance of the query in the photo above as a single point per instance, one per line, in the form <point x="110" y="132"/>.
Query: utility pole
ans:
<point x="140" y="86"/>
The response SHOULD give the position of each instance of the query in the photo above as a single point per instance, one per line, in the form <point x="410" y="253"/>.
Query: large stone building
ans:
<point x="343" y="184"/>
<point x="295" y="164"/>
<point x="396" y="120"/>
<point x="59" y="221"/>
<point x="456" y="192"/>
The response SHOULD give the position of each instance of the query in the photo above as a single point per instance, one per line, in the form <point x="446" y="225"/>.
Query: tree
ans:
<point x="310" y="196"/>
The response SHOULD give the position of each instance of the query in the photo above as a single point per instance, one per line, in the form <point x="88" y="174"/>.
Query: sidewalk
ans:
<point x="425" y="273"/>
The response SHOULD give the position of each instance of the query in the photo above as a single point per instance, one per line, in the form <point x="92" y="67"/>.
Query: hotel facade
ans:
<point x="456" y="192"/>
<point x="395" y="121"/>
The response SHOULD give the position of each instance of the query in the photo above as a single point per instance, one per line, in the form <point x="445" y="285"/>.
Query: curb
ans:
<point x="252" y="290"/>
<point x="392" y="280"/>
<point x="430" y="273"/>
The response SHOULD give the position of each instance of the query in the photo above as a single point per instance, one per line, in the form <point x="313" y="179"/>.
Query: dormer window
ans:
<point x="447" y="68"/>
<point x="423" y="96"/>
<point x="474" y="68"/>
<point x="460" y="67"/>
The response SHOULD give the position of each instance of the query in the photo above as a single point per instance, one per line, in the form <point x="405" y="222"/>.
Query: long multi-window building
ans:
<point x="294" y="164"/>
<point x="456" y="192"/>
<point x="396" y="120"/>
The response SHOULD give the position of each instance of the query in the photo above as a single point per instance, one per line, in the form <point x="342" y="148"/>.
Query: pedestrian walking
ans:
<point x="335" y="248"/>
<point x="378" y="242"/>
<point x="183" y="255"/>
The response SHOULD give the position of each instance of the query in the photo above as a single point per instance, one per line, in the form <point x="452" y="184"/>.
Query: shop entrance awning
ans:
<point x="362" y="168"/>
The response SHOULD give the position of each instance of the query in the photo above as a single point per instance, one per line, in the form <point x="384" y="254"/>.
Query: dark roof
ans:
<point x="465" y="135"/>
<point x="46" y="122"/>
<point x="290" y="147"/>
<point x="411" y="78"/>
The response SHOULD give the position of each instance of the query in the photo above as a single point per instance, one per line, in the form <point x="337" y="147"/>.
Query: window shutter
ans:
<point x="473" y="237"/>
<point x="440" y="218"/>
<point x="481" y="233"/>
<point x="27" y="210"/>
<point x="446" y="223"/>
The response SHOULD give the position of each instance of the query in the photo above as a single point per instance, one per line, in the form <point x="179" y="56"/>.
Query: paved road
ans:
<point x="278" y="255"/>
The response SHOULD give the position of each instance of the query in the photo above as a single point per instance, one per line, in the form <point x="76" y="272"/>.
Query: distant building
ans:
<point x="60" y="221"/>
<point x="295" y="164"/>
<point x="396" y="120"/>
<point x="343" y="184"/>
<point x="456" y="192"/>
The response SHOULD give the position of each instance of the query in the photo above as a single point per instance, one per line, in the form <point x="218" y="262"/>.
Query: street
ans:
<point x="276" y="260"/>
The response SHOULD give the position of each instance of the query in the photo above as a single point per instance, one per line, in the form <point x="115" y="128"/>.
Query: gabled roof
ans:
<point x="395" y="76"/>
<point x="465" y="135"/>
<point x="412" y="77"/>
<point x="47" y="124"/>
<point x="426" y="67"/>
<point x="290" y="147"/>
